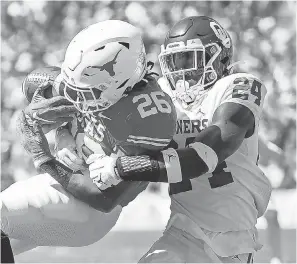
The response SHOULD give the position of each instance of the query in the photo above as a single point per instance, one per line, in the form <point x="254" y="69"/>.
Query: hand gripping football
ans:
<point x="39" y="76"/>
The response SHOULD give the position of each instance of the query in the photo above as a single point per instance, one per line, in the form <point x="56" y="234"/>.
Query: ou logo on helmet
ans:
<point x="221" y="34"/>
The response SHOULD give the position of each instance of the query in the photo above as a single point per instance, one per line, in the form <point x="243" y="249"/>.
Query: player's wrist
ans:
<point x="183" y="164"/>
<point x="55" y="168"/>
<point x="42" y="159"/>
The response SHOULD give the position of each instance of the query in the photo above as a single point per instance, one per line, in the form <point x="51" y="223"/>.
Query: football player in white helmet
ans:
<point x="121" y="110"/>
<point x="217" y="190"/>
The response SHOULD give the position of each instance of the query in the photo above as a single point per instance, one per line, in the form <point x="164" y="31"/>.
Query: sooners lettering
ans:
<point x="190" y="126"/>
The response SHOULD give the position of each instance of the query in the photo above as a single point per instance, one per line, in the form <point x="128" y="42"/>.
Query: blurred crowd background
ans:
<point x="36" y="33"/>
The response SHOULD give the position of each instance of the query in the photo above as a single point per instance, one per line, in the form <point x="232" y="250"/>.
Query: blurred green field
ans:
<point x="127" y="247"/>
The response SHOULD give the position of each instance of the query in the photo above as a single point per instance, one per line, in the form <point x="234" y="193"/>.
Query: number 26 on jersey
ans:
<point x="151" y="104"/>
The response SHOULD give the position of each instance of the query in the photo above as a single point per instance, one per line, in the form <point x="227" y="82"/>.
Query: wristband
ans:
<point x="137" y="168"/>
<point x="207" y="154"/>
<point x="41" y="159"/>
<point x="172" y="165"/>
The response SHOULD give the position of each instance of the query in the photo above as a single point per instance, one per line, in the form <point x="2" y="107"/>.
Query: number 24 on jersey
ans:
<point x="151" y="104"/>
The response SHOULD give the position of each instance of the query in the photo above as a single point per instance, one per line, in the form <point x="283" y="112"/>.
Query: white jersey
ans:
<point x="237" y="192"/>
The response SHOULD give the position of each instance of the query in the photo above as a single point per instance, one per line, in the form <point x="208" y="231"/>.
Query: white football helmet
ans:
<point x="101" y="63"/>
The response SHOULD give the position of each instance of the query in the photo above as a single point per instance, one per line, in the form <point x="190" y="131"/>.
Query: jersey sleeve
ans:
<point x="247" y="90"/>
<point x="154" y="120"/>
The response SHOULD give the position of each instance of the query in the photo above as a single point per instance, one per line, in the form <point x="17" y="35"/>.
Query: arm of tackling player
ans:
<point x="79" y="185"/>
<point x="231" y="123"/>
<point x="84" y="189"/>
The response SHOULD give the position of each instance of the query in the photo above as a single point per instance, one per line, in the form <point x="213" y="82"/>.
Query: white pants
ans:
<point x="184" y="241"/>
<point x="176" y="246"/>
<point x="39" y="210"/>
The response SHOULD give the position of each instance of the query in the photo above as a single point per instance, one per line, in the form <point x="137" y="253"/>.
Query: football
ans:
<point x="37" y="77"/>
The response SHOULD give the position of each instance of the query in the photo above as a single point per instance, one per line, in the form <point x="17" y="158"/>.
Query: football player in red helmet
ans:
<point x="121" y="110"/>
<point x="217" y="190"/>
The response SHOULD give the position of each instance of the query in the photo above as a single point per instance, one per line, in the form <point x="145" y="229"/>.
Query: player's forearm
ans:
<point x="184" y="163"/>
<point x="208" y="150"/>
<point x="78" y="185"/>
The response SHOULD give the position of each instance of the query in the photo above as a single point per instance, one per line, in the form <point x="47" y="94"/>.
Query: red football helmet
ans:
<point x="196" y="53"/>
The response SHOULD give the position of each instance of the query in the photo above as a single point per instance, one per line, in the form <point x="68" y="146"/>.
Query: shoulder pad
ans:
<point x="242" y="88"/>
<point x="226" y="81"/>
<point x="153" y="119"/>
